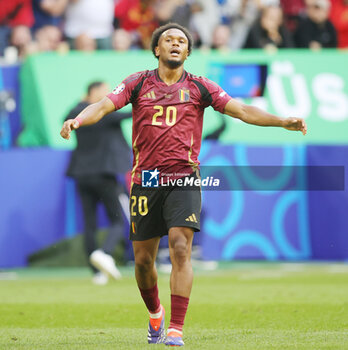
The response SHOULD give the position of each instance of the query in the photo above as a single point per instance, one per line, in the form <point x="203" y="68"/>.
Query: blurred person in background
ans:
<point x="212" y="18"/>
<point x="226" y="17"/>
<point x="178" y="11"/>
<point x="92" y="19"/>
<point x="243" y="15"/>
<point x="137" y="17"/>
<point x="292" y="9"/>
<point x="46" y="31"/>
<point x="16" y="19"/>
<point x="83" y="42"/>
<point x="339" y="18"/>
<point x="47" y="38"/>
<point x="48" y="13"/>
<point x="204" y="21"/>
<point x="269" y="32"/>
<point x="315" y="30"/>
<point x="221" y="37"/>
<point x="121" y="40"/>
<point x="101" y="153"/>
<point x="242" y="18"/>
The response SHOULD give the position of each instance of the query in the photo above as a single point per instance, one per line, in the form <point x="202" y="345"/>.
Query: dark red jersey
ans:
<point x="167" y="120"/>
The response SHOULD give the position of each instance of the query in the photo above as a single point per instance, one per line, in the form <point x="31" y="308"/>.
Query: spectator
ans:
<point x="177" y="11"/>
<point x="47" y="38"/>
<point x="292" y="10"/>
<point x="101" y="153"/>
<point x="221" y="36"/>
<point x="243" y="17"/>
<point x="83" y="42"/>
<point x="205" y="21"/>
<point x="239" y="15"/>
<point x="339" y="18"/>
<point x="269" y="32"/>
<point x="48" y="13"/>
<point x="229" y="9"/>
<point x="93" y="20"/>
<point x="316" y="31"/>
<point x="121" y="40"/>
<point x="16" y="19"/>
<point x="137" y="17"/>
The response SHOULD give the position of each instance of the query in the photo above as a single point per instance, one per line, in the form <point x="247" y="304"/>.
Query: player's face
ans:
<point x="172" y="48"/>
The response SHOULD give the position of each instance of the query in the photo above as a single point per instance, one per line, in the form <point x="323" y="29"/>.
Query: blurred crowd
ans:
<point x="31" y="26"/>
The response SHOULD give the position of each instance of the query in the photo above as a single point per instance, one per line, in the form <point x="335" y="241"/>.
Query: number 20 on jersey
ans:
<point x="165" y="115"/>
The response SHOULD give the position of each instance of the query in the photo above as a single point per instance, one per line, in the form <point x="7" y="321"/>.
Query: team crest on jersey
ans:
<point x="118" y="89"/>
<point x="184" y="95"/>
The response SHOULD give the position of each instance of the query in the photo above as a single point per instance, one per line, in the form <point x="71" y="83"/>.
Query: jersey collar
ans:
<point x="181" y="79"/>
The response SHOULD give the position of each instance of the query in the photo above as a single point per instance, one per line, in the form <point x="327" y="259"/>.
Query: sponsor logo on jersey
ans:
<point x="150" y="178"/>
<point x="150" y="94"/>
<point x="222" y="94"/>
<point x="184" y="95"/>
<point x="192" y="218"/>
<point x="118" y="89"/>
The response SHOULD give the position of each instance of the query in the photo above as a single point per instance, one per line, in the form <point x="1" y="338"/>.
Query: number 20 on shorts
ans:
<point x="141" y="203"/>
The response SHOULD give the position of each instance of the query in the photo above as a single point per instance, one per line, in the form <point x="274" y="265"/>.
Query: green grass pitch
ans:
<point x="239" y="306"/>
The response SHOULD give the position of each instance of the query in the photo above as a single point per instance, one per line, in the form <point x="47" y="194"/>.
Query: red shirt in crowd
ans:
<point x="16" y="12"/>
<point x="339" y="18"/>
<point x="137" y="15"/>
<point x="292" y="7"/>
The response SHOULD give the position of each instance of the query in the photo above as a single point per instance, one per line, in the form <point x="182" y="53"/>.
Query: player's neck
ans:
<point x="168" y="75"/>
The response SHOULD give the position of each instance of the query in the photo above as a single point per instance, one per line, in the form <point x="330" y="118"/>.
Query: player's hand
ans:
<point x="296" y="124"/>
<point x="68" y="126"/>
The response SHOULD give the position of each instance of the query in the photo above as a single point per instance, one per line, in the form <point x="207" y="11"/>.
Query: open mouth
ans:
<point x="175" y="52"/>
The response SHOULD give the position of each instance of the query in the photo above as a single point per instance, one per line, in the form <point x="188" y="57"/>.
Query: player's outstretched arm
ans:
<point x="256" y="116"/>
<point x="90" y="115"/>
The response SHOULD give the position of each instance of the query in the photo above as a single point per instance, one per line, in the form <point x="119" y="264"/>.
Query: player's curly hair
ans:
<point x="159" y="31"/>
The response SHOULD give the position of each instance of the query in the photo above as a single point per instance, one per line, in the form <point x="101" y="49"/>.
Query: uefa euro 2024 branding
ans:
<point x="152" y="178"/>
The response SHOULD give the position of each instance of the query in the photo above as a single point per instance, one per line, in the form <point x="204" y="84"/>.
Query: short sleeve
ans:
<point x="215" y="96"/>
<point x="124" y="92"/>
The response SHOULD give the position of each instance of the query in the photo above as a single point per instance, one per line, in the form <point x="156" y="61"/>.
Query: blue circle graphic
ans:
<point x="220" y="230"/>
<point x="257" y="183"/>
<point x="249" y="238"/>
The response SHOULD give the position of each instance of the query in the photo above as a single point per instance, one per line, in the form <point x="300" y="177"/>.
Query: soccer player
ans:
<point x="168" y="105"/>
